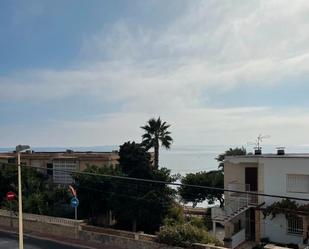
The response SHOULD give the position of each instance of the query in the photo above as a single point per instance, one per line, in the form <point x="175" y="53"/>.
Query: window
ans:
<point x="49" y="169"/>
<point x="60" y="175"/>
<point x="295" y="225"/>
<point x="298" y="183"/>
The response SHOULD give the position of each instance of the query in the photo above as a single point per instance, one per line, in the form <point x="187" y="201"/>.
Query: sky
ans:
<point x="86" y="73"/>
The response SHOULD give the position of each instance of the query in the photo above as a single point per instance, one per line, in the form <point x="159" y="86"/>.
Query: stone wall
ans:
<point x="78" y="230"/>
<point x="42" y="224"/>
<point x="121" y="242"/>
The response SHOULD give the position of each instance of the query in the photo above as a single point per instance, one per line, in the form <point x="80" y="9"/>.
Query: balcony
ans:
<point x="232" y="208"/>
<point x="235" y="203"/>
<point x="252" y="198"/>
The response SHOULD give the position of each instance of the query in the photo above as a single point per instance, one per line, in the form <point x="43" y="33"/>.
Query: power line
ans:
<point x="166" y="183"/>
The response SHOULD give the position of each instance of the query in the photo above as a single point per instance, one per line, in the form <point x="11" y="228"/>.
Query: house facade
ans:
<point x="50" y="162"/>
<point x="274" y="174"/>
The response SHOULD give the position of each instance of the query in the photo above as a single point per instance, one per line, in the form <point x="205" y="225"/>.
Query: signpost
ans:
<point x="10" y="196"/>
<point x="74" y="204"/>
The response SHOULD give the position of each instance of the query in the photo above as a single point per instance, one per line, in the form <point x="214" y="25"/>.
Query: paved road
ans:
<point x="10" y="241"/>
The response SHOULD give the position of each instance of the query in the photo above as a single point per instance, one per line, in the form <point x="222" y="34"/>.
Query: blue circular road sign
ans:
<point x="74" y="202"/>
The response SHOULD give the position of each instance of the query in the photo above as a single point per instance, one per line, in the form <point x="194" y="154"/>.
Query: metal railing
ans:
<point x="232" y="208"/>
<point x="252" y="199"/>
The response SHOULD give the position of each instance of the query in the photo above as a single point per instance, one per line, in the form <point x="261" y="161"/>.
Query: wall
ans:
<point x="124" y="240"/>
<point x="71" y="229"/>
<point x="43" y="224"/>
<point x="275" y="176"/>
<point x="276" y="230"/>
<point x="275" y="171"/>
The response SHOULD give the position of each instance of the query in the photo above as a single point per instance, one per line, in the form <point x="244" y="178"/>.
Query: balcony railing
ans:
<point x="252" y="198"/>
<point x="235" y="203"/>
<point x="231" y="209"/>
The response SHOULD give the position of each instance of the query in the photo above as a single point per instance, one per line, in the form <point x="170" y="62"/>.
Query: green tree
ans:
<point x="230" y="152"/>
<point x="39" y="197"/>
<point x="156" y="133"/>
<point x="8" y="181"/>
<point x="134" y="160"/>
<point x="140" y="205"/>
<point x="95" y="193"/>
<point x="195" y="195"/>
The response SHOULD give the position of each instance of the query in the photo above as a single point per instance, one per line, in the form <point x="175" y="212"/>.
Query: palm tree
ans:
<point x="156" y="133"/>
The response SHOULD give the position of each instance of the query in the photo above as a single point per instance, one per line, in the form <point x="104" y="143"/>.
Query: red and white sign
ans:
<point x="10" y="196"/>
<point x="73" y="191"/>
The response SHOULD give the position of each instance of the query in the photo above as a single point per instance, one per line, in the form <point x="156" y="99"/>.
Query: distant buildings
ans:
<point x="276" y="174"/>
<point x="50" y="162"/>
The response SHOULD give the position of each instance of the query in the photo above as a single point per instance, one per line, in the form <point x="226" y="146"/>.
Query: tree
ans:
<point x="95" y="193"/>
<point x="230" y="152"/>
<point x="134" y="160"/>
<point x="156" y="133"/>
<point x="141" y="205"/>
<point x="209" y="179"/>
<point x="38" y="196"/>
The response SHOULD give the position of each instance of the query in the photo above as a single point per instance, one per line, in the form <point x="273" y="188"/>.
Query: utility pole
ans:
<point x="19" y="149"/>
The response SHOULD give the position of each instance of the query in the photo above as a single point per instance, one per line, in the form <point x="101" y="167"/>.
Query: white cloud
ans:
<point x="214" y="44"/>
<point x="189" y="126"/>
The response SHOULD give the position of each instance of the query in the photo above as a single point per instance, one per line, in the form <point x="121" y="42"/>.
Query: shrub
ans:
<point x="185" y="235"/>
<point x="207" y="219"/>
<point x="174" y="216"/>
<point x="197" y="222"/>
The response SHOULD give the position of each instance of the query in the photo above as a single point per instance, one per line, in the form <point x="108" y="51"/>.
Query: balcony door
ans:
<point x="251" y="178"/>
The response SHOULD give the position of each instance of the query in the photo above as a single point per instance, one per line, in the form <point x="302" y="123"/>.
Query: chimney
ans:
<point x="258" y="151"/>
<point x="280" y="151"/>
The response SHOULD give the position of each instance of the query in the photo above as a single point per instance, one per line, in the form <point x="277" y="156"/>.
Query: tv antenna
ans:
<point x="258" y="141"/>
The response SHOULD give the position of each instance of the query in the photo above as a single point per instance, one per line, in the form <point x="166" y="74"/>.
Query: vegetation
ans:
<point x="39" y="196"/>
<point x="136" y="205"/>
<point x="203" y="178"/>
<point x="287" y="207"/>
<point x="95" y="193"/>
<point x="185" y="235"/>
<point x="230" y="152"/>
<point x="142" y="204"/>
<point x="156" y="133"/>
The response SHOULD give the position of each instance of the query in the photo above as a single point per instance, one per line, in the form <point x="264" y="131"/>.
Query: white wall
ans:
<point x="276" y="229"/>
<point x="275" y="172"/>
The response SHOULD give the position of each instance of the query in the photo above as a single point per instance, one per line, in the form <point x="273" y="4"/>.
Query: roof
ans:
<point x="270" y="155"/>
<point x="81" y="155"/>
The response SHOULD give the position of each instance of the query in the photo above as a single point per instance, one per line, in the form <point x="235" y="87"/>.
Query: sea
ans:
<point x="181" y="159"/>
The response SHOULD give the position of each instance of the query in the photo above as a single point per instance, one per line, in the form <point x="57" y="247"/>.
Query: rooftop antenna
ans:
<point x="258" y="141"/>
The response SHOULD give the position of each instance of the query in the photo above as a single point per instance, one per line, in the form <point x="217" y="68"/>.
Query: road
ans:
<point x="10" y="241"/>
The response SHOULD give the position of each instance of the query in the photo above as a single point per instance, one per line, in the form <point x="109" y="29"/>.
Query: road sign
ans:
<point x="10" y="196"/>
<point x="74" y="202"/>
<point x="73" y="190"/>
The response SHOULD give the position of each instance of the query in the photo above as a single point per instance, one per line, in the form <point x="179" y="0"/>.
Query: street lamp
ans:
<point x="19" y="149"/>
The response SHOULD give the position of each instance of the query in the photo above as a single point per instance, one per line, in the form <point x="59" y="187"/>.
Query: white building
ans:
<point x="276" y="174"/>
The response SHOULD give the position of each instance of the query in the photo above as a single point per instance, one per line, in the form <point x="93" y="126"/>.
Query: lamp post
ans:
<point x="19" y="149"/>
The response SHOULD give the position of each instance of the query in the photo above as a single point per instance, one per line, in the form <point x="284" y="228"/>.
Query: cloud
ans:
<point x="212" y="45"/>
<point x="212" y="126"/>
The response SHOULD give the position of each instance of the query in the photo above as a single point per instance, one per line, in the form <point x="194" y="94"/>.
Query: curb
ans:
<point x="33" y="236"/>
